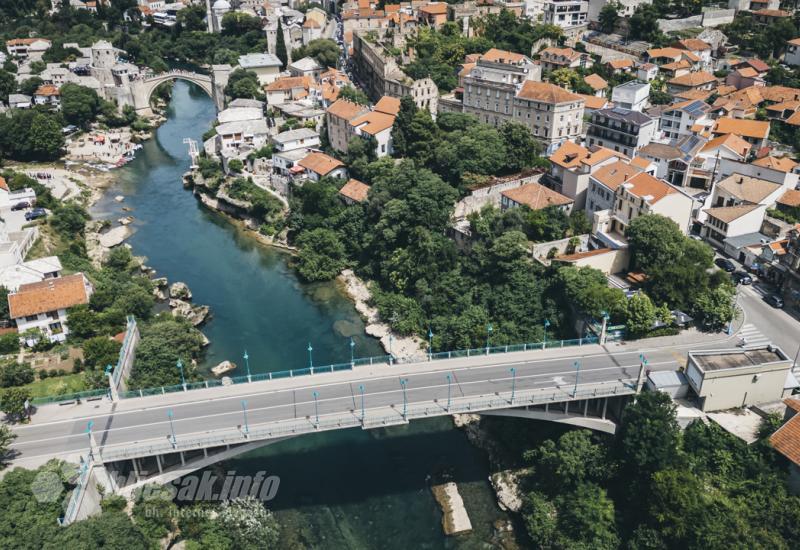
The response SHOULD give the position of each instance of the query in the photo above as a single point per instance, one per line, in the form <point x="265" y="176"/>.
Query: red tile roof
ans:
<point x="48" y="295"/>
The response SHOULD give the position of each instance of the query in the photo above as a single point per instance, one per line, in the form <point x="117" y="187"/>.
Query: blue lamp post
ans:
<point x="244" y="410"/>
<point x="316" y="406"/>
<point x="577" y="375"/>
<point x="449" y="384"/>
<point x="430" y="344"/>
<point x="488" y="337"/>
<point x="183" y="379"/>
<point x="247" y="366"/>
<point x="89" y="427"/>
<point x="403" y="382"/>
<point x="546" y="324"/>
<point x="310" y="360"/>
<point x="352" y="352"/>
<point x="172" y="428"/>
<point x="363" y="411"/>
<point x="513" y="383"/>
<point x="391" y="356"/>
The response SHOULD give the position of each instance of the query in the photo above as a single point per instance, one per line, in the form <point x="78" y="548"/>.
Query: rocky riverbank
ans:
<point x="402" y="347"/>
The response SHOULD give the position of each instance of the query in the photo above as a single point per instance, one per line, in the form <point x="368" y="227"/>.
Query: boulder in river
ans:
<point x="160" y="282"/>
<point x="224" y="367"/>
<point x="180" y="291"/>
<point x="115" y="236"/>
<point x="119" y="198"/>
<point x="196" y="315"/>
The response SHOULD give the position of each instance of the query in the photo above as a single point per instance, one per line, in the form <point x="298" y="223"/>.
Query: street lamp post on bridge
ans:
<point x="449" y="383"/>
<point x="172" y="428"/>
<point x="310" y="359"/>
<point x="488" y="337"/>
<point x="513" y="383"/>
<point x="352" y="352"/>
<point x="577" y="376"/>
<point x="183" y="378"/>
<point x="244" y="411"/>
<point x="546" y="324"/>
<point x="403" y="382"/>
<point x="247" y="366"/>
<point x="430" y="344"/>
<point x="363" y="410"/>
<point x="316" y="407"/>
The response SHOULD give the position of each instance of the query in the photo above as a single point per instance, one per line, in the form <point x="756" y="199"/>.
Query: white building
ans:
<point x="566" y="13"/>
<point x="28" y="48"/>
<point x="44" y="306"/>
<point x="631" y="95"/>
<point x="307" y="66"/>
<point x="301" y="138"/>
<point x="266" y="66"/>
<point x="685" y="119"/>
<point x="570" y="168"/>
<point x="792" y="56"/>
<point x="33" y="271"/>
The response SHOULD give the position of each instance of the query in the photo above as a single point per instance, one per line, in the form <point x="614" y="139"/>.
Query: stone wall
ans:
<point x="709" y="18"/>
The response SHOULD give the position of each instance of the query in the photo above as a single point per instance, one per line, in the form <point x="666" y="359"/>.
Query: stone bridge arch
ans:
<point x="143" y="88"/>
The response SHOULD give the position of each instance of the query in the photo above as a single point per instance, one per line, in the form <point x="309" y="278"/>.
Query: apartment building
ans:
<point x="551" y="113"/>
<point x="631" y="95"/>
<point x="637" y="195"/>
<point x="379" y="72"/>
<point x="754" y="132"/>
<point x="491" y="86"/>
<point x="553" y="58"/>
<point x="622" y="130"/>
<point x="572" y="165"/>
<point x="684" y="119"/>
<point x="566" y="13"/>
<point x="337" y="118"/>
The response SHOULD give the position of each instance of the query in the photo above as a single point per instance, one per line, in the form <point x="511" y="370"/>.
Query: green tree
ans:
<point x="641" y="314"/>
<point x="322" y="255"/>
<point x="163" y="342"/>
<point x="250" y="524"/>
<point x="280" y="45"/>
<point x="609" y="16"/>
<point x="9" y="343"/>
<point x="586" y="518"/>
<point x="15" y="374"/>
<point x="714" y="307"/>
<point x="30" y="85"/>
<point x="654" y="241"/>
<point x="12" y="402"/>
<point x="353" y="95"/>
<point x="79" y="105"/>
<point x="44" y="139"/>
<point x="573" y="460"/>
<point x="402" y="124"/>
<point x="4" y="302"/>
<point x="8" y="84"/>
<point x="6" y="438"/>
<point x="100" y="351"/>
<point x="243" y="84"/>
<point x="647" y="440"/>
<point x="541" y="519"/>
<point x="521" y="148"/>
<point x="323" y="50"/>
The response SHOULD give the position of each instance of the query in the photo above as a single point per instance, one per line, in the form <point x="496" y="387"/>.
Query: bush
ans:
<point x="15" y="374"/>
<point x="9" y="343"/>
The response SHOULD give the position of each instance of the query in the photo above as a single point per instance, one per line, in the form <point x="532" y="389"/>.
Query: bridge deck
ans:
<point x="276" y="408"/>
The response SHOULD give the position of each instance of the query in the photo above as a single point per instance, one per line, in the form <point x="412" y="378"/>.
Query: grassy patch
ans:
<point x="60" y="385"/>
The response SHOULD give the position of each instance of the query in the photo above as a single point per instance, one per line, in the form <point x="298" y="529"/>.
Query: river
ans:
<point x="348" y="489"/>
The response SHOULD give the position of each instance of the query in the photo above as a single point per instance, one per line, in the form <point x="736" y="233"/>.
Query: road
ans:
<point x="200" y="411"/>
<point x="776" y="325"/>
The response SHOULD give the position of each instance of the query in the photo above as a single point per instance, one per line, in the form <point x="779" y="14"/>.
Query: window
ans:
<point x="31" y="318"/>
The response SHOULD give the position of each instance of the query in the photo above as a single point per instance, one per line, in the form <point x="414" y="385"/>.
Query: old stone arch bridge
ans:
<point x="214" y="85"/>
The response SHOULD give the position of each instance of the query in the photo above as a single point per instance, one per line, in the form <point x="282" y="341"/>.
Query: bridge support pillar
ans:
<point x="586" y="408"/>
<point x="566" y="407"/>
<point x="158" y="463"/>
<point x="605" y="404"/>
<point x="136" y="470"/>
<point x="183" y="459"/>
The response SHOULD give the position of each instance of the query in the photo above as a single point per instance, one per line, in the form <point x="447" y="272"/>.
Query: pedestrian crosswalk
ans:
<point x="752" y="337"/>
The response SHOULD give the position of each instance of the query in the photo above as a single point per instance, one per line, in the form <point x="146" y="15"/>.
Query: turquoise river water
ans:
<point x="350" y="489"/>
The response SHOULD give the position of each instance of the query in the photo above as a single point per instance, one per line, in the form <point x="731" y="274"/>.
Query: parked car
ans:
<point x="742" y="278"/>
<point x="34" y="214"/>
<point x="21" y="206"/>
<point x="774" y="300"/>
<point x="725" y="264"/>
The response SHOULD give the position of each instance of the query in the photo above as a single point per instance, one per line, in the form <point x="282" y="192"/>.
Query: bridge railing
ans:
<point x="376" y="417"/>
<point x="293" y="373"/>
<point x="74" y="500"/>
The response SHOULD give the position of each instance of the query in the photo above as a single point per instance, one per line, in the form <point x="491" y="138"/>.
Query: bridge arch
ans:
<point x="143" y="88"/>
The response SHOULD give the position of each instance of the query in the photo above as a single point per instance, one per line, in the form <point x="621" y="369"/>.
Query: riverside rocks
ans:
<point x="180" y="291"/>
<point x="196" y="315"/>
<point x="401" y="346"/>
